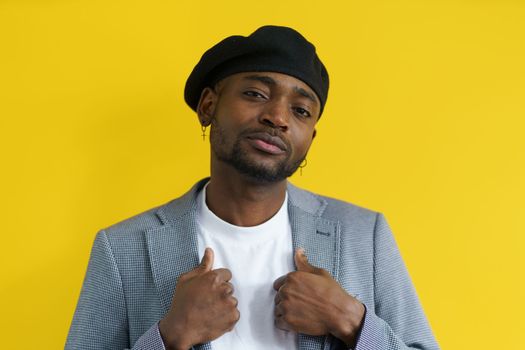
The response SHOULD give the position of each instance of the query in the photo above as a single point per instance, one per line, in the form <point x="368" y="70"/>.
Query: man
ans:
<point x="245" y="260"/>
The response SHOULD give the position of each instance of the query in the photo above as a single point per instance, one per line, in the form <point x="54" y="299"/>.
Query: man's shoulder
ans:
<point x="335" y="205"/>
<point x="158" y="216"/>
<point x="337" y="209"/>
<point x="136" y="224"/>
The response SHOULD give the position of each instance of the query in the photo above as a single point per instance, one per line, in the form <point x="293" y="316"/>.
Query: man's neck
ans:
<point x="242" y="201"/>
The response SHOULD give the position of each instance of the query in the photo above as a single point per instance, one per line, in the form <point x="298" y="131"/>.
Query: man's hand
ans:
<point x="203" y="306"/>
<point x="310" y="301"/>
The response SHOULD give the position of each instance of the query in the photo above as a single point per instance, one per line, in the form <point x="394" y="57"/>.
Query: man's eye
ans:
<point x="252" y="93"/>
<point x="303" y="112"/>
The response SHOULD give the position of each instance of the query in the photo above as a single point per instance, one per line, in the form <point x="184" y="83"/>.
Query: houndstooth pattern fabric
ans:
<point x="135" y="264"/>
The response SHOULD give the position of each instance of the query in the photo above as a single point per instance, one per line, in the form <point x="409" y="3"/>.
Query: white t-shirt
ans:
<point x="256" y="256"/>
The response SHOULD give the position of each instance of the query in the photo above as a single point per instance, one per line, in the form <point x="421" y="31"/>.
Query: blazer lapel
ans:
<point x="173" y="248"/>
<point x="173" y="251"/>
<point x="320" y="239"/>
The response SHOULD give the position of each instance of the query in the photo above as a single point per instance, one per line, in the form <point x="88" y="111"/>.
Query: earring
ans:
<point x="203" y="128"/>
<point x="302" y="166"/>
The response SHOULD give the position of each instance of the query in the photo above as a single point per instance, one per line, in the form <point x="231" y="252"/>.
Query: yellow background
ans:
<point x="424" y="123"/>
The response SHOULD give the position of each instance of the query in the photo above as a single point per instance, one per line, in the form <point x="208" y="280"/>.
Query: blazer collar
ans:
<point x="173" y="246"/>
<point x="300" y="199"/>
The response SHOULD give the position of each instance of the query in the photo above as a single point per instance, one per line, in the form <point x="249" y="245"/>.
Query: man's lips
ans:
<point x="267" y="143"/>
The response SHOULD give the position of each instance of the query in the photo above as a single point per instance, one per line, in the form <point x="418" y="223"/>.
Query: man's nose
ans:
<point x="276" y="115"/>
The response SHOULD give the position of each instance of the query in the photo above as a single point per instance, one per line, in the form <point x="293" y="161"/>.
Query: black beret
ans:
<point x="270" y="49"/>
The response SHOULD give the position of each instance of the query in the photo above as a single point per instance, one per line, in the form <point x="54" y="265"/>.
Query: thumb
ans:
<point x="207" y="260"/>
<point x="301" y="262"/>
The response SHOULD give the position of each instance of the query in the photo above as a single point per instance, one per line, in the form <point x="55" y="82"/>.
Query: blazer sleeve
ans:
<point x="100" y="319"/>
<point x="399" y="321"/>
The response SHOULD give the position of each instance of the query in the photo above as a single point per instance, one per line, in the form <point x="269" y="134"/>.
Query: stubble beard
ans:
<point x="241" y="161"/>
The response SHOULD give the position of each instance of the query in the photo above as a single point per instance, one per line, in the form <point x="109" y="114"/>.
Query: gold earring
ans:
<point x="302" y="166"/>
<point x="203" y="128"/>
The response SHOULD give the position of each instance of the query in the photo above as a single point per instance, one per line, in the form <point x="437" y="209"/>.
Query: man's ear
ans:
<point x="206" y="105"/>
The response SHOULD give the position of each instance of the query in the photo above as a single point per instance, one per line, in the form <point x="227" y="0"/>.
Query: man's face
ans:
<point x="262" y="123"/>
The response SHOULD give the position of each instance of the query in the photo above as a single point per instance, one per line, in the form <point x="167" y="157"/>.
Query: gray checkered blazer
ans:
<point x="135" y="264"/>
